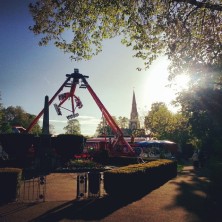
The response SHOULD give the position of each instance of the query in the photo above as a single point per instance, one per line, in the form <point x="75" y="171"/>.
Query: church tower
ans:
<point x="134" y="120"/>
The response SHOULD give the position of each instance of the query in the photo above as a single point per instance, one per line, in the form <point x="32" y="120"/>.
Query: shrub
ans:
<point x="138" y="178"/>
<point x="83" y="164"/>
<point x="67" y="145"/>
<point x="16" y="145"/>
<point x="215" y="167"/>
<point x="10" y="181"/>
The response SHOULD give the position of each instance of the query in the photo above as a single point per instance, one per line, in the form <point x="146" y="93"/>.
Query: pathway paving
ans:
<point x="182" y="199"/>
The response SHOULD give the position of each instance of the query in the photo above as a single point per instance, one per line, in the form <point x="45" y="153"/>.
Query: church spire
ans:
<point x="134" y="119"/>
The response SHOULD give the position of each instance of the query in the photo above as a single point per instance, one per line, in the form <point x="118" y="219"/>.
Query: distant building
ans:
<point x="134" y="117"/>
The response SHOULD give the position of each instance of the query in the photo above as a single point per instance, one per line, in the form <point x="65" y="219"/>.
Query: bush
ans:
<point x="79" y="163"/>
<point x="16" y="145"/>
<point x="67" y="145"/>
<point x="10" y="182"/>
<point x="215" y="167"/>
<point x="138" y="178"/>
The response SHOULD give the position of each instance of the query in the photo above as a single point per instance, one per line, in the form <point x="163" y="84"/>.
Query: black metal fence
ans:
<point x="61" y="187"/>
<point x="32" y="189"/>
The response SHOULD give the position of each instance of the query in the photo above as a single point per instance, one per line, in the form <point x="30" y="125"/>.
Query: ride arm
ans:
<point x="109" y="119"/>
<point x="50" y="102"/>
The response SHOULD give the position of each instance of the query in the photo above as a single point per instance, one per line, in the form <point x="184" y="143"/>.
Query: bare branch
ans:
<point x="214" y="7"/>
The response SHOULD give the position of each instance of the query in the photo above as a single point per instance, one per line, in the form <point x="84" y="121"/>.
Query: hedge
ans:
<point x="17" y="146"/>
<point x="67" y="145"/>
<point x="10" y="182"/>
<point x="139" y="178"/>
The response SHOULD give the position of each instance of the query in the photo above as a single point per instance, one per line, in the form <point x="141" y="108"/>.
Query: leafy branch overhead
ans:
<point x="187" y="31"/>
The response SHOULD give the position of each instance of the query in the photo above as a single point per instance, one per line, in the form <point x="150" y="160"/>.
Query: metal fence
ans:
<point x="62" y="187"/>
<point x="32" y="190"/>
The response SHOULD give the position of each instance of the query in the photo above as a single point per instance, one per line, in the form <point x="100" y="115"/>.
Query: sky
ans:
<point x="29" y="72"/>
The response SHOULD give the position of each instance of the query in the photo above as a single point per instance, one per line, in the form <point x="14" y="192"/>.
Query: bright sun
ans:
<point x="181" y="82"/>
<point x="156" y="87"/>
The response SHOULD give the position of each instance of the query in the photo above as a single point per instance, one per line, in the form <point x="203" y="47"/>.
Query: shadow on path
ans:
<point x="192" y="195"/>
<point x="183" y="198"/>
<point x="94" y="209"/>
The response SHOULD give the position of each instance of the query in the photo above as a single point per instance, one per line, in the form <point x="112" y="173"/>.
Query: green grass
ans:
<point x="179" y="168"/>
<point x="79" y="163"/>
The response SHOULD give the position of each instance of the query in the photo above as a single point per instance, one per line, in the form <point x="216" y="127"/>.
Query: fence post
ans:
<point x="94" y="180"/>
<point x="81" y="185"/>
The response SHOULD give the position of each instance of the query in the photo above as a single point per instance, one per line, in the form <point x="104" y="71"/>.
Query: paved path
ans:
<point x="182" y="199"/>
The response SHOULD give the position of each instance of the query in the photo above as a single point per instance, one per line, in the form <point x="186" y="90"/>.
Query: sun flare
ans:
<point x="157" y="87"/>
<point x="181" y="82"/>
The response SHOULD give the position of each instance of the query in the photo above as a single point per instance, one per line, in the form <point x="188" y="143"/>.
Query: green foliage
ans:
<point x="140" y="167"/>
<point x="118" y="181"/>
<point x="202" y="107"/>
<point x="73" y="127"/>
<point x="166" y="125"/>
<point x="83" y="164"/>
<point x="1" y="113"/>
<point x="104" y="129"/>
<point x="138" y="132"/>
<point x="188" y="32"/>
<point x="123" y="122"/>
<point x="16" y="116"/>
<point x="179" y="168"/>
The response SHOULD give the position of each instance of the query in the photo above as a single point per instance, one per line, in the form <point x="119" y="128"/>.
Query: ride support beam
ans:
<point x="110" y="120"/>
<point x="50" y="102"/>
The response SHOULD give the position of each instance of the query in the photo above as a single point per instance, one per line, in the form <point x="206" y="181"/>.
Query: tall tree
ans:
<point x="16" y="116"/>
<point x="203" y="107"/>
<point x="201" y="103"/>
<point x="163" y="124"/>
<point x="104" y="129"/>
<point x="158" y="120"/>
<point x="51" y="129"/>
<point x="187" y="31"/>
<point x="1" y="113"/>
<point x="73" y="127"/>
<point x="123" y="122"/>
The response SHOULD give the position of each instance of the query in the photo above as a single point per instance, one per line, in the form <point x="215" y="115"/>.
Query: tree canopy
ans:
<point x="16" y="116"/>
<point x="163" y="124"/>
<point x="1" y="112"/>
<point x="203" y="107"/>
<point x="73" y="127"/>
<point x="187" y="31"/>
<point x="104" y="129"/>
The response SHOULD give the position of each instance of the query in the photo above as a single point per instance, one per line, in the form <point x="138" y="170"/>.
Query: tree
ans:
<point x="166" y="125"/>
<point x="16" y="116"/>
<point x="123" y="122"/>
<point x="1" y="113"/>
<point x="187" y="31"/>
<point x="203" y="107"/>
<point x="73" y="127"/>
<point x="104" y="129"/>
<point x="201" y="103"/>
<point x="51" y="129"/>
<point x="157" y="120"/>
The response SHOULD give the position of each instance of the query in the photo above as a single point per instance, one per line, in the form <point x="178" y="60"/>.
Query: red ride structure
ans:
<point x="119" y="146"/>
